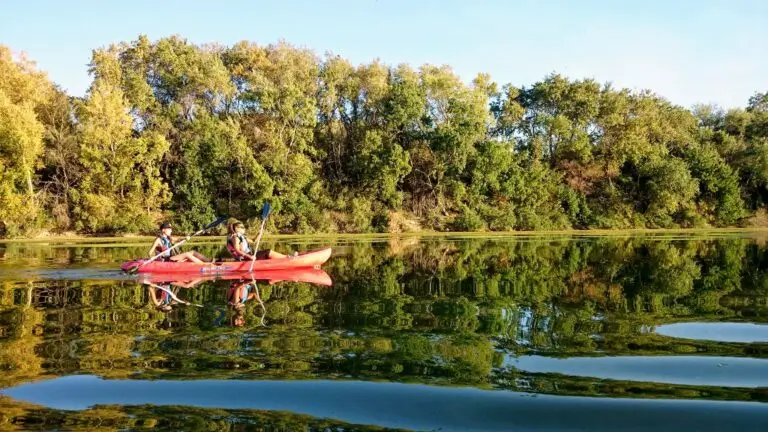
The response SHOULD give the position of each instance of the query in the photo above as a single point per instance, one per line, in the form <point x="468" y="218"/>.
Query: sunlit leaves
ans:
<point x="175" y="130"/>
<point x="23" y="89"/>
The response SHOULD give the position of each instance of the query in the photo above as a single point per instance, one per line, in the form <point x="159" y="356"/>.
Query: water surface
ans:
<point x="533" y="332"/>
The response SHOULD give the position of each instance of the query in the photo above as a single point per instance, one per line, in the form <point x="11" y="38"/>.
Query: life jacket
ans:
<point x="234" y="290"/>
<point x="165" y="244"/>
<point x="244" y="297"/>
<point x="238" y="254"/>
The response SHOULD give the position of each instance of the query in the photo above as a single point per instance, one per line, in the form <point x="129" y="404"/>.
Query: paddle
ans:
<point x="261" y="302"/>
<point x="211" y="225"/>
<point x="173" y="296"/>
<point x="258" y="296"/>
<point x="264" y="214"/>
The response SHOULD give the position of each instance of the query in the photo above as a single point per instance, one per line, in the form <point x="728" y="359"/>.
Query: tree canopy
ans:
<point x="171" y="130"/>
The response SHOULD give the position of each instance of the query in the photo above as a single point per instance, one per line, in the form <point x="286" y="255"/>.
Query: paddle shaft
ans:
<point x="258" y="296"/>
<point x="258" y="240"/>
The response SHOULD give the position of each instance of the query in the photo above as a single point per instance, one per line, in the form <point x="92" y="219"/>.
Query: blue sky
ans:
<point x="687" y="51"/>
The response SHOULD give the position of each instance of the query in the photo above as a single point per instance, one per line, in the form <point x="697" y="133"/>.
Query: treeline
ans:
<point x="172" y="130"/>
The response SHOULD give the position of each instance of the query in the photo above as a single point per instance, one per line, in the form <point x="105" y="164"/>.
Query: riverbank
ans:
<point x="77" y="238"/>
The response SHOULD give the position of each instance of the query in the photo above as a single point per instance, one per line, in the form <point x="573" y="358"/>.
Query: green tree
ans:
<point x="22" y="90"/>
<point x="62" y="172"/>
<point x="121" y="189"/>
<point x="720" y="197"/>
<point x="217" y="174"/>
<point x="278" y="85"/>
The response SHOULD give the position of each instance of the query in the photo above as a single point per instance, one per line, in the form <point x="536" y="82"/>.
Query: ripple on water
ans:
<point x="716" y="331"/>
<point x="73" y="274"/>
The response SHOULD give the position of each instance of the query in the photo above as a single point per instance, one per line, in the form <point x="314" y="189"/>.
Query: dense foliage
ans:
<point x="173" y="130"/>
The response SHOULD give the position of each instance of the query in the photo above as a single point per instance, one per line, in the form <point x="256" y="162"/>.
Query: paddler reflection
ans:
<point x="164" y="296"/>
<point x="239" y="293"/>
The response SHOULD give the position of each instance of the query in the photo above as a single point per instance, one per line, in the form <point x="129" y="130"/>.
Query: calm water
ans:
<point x="526" y="333"/>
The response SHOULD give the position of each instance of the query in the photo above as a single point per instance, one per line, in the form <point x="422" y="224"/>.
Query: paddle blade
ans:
<point x="215" y="223"/>
<point x="134" y="266"/>
<point x="265" y="211"/>
<point x="132" y="270"/>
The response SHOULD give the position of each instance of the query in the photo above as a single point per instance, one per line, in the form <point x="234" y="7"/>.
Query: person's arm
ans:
<point x="153" y="249"/>
<point x="231" y="293"/>
<point x="239" y="248"/>
<point x="174" y="241"/>
<point x="153" y="296"/>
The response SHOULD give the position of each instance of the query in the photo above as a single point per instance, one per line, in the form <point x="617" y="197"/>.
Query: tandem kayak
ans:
<point x="305" y="274"/>
<point x="307" y="259"/>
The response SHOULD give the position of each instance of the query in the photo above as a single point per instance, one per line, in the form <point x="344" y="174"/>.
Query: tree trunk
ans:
<point x="28" y="174"/>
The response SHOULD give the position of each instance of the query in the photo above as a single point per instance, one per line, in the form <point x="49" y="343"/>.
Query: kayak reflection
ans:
<point x="308" y="275"/>
<point x="164" y="290"/>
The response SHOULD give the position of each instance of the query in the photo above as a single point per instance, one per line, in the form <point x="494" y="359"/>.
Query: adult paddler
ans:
<point x="240" y="248"/>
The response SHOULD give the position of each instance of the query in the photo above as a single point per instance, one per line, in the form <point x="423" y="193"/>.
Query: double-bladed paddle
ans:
<point x="173" y="296"/>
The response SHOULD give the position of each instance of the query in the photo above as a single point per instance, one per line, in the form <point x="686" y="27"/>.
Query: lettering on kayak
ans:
<point x="215" y="269"/>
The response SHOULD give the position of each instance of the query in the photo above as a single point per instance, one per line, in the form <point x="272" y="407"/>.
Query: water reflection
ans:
<point x="723" y="332"/>
<point x="691" y="370"/>
<point x="402" y="406"/>
<point x="575" y="317"/>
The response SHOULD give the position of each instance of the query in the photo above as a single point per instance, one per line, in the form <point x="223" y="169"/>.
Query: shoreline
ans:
<point x="462" y="234"/>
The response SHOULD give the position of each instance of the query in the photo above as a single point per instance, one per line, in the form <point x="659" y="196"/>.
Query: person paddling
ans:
<point x="238" y="246"/>
<point x="164" y="242"/>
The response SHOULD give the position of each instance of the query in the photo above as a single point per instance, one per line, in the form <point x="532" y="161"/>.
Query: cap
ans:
<point x="165" y="225"/>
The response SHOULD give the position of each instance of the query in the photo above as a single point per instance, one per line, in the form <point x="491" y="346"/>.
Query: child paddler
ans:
<point x="165" y="241"/>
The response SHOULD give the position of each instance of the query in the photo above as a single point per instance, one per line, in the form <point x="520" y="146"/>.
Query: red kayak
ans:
<point x="303" y="260"/>
<point x="306" y="274"/>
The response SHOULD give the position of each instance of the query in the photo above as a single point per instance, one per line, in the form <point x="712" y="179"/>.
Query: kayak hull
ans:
<point x="307" y="259"/>
<point x="306" y="274"/>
